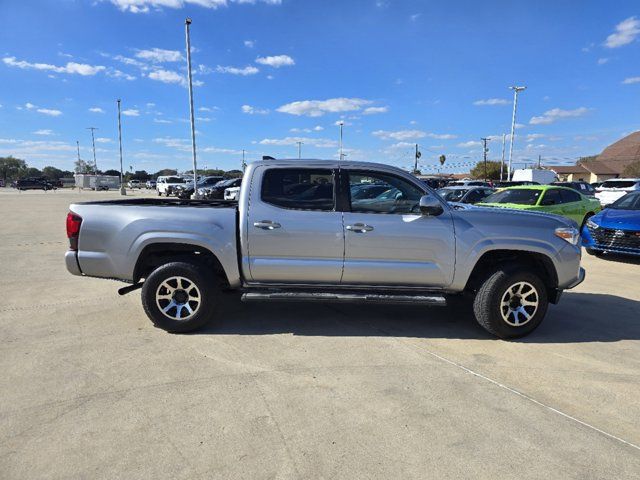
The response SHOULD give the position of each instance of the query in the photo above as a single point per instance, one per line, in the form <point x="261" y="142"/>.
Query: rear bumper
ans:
<point x="71" y="261"/>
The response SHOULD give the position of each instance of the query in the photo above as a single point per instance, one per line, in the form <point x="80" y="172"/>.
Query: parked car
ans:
<point x="1" y="183"/>
<point x="468" y="183"/>
<point x="186" y="190"/>
<point x="612" y="190"/>
<point x="582" y="187"/>
<point x="465" y="194"/>
<point x="216" y="192"/>
<point x="34" y="184"/>
<point x="150" y="184"/>
<point x="616" y="229"/>
<point x="545" y="198"/>
<point x="232" y="193"/>
<point x="291" y="238"/>
<point x="134" y="184"/>
<point x="512" y="183"/>
<point x="166" y="184"/>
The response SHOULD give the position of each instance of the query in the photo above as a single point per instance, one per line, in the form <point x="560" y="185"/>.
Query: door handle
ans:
<point x="359" y="228"/>
<point x="266" y="224"/>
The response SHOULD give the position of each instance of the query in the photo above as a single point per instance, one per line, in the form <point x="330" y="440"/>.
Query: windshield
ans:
<point x="631" y="201"/>
<point x="452" y="194"/>
<point x="618" y="184"/>
<point x="520" y="196"/>
<point x="175" y="180"/>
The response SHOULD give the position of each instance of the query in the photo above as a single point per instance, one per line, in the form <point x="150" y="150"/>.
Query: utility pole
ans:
<point x="485" y="150"/>
<point x="123" y="191"/>
<point x="244" y="164"/>
<point x="341" y="154"/>
<point x="516" y="90"/>
<point x="93" y="141"/>
<point x="300" y="149"/>
<point x="78" y="145"/>
<point x="504" y="138"/>
<point x="539" y="162"/>
<point x="195" y="195"/>
<point x="417" y="156"/>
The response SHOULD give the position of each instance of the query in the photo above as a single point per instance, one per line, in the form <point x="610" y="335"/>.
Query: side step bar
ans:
<point x="434" y="300"/>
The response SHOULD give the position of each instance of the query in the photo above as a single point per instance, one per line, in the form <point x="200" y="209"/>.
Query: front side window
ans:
<point x="299" y="188"/>
<point x="569" y="196"/>
<point x="552" y="197"/>
<point x="394" y="194"/>
<point x="517" y="196"/>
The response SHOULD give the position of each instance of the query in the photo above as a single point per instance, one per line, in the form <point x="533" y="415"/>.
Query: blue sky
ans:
<point x="270" y="73"/>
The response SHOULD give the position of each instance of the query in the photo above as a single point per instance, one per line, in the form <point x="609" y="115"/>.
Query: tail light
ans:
<point x="73" y="229"/>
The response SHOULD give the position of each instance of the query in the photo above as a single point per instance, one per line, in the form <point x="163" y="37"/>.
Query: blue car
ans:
<point x="616" y="229"/>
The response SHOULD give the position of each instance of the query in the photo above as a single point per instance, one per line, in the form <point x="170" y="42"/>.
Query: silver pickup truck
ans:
<point x="327" y="231"/>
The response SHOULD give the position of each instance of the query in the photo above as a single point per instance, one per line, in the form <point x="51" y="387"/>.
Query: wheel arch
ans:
<point x="156" y="254"/>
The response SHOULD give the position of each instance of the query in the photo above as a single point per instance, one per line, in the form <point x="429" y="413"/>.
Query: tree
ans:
<point x="632" y="170"/>
<point x="165" y="172"/>
<point x="11" y="168"/>
<point x="141" y="175"/>
<point x="493" y="170"/>
<point x="233" y="173"/>
<point x="52" y="173"/>
<point x="81" y="166"/>
<point x="113" y="173"/>
<point x="32" y="172"/>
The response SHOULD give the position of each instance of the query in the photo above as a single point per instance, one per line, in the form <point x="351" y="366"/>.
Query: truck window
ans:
<point x="397" y="196"/>
<point x="299" y="188"/>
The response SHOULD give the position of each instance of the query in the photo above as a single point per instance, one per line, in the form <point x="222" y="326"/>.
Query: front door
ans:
<point x="388" y="241"/>
<point x="294" y="233"/>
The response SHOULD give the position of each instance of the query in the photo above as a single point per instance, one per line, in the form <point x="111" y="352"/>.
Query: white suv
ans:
<point x="612" y="190"/>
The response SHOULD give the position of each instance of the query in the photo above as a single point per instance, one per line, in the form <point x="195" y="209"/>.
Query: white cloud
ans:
<point x="248" y="70"/>
<point x="469" y="144"/>
<point x="315" y="142"/>
<point x="145" y="6"/>
<point x="630" y="80"/>
<point x="103" y="140"/>
<point x="70" y="68"/>
<point x="131" y="112"/>
<point x="221" y="150"/>
<point x="205" y="109"/>
<point x="415" y="16"/>
<point x="410" y="134"/>
<point x="492" y="101"/>
<point x="317" y="108"/>
<point x="50" y="112"/>
<point x="169" y="76"/>
<point x="29" y="106"/>
<point x="203" y="119"/>
<point x="276" y="61"/>
<point x="249" y="43"/>
<point x="96" y="110"/>
<point x="248" y="109"/>
<point x="626" y="32"/>
<point x="159" y="55"/>
<point x="534" y="136"/>
<point x="374" y="110"/>
<point x="602" y="61"/>
<point x="161" y="120"/>
<point x="43" y="132"/>
<point x="555" y="114"/>
<point x="115" y="73"/>
<point x="317" y="128"/>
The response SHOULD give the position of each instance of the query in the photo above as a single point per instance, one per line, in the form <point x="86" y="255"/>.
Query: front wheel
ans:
<point x="180" y="297"/>
<point x="511" y="303"/>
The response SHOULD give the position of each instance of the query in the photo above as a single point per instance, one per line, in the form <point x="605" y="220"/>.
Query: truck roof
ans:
<point x="306" y="162"/>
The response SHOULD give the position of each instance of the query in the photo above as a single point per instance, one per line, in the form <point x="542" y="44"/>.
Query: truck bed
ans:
<point x="165" y="202"/>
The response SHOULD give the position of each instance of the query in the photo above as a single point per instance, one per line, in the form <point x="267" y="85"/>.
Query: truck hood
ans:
<point x="500" y="214"/>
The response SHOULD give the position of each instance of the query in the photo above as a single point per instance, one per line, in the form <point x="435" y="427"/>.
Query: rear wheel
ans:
<point x="511" y="303"/>
<point x="180" y="297"/>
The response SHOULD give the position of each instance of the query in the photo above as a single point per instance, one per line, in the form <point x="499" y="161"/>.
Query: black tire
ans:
<point x="206" y="286"/>
<point x="584" y="220"/>
<point x="487" y="303"/>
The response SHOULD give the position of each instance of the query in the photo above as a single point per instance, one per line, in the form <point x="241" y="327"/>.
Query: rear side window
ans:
<point x="618" y="184"/>
<point x="569" y="196"/>
<point x="299" y="188"/>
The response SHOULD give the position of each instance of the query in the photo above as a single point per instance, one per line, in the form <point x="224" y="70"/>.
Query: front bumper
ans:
<point x="71" y="261"/>
<point x="610" y="240"/>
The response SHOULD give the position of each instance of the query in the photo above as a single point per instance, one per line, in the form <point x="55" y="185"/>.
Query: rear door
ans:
<point x="388" y="241"/>
<point x="294" y="233"/>
<point x="573" y="205"/>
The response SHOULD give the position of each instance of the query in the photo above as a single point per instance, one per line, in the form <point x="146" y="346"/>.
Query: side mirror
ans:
<point x="430" y="206"/>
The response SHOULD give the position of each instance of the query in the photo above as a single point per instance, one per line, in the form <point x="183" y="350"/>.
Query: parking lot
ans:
<point x="92" y="390"/>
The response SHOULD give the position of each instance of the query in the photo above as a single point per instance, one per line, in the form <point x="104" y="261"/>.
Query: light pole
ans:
<point x="341" y="154"/>
<point x="93" y="141"/>
<point x="244" y="164"/>
<point x="504" y="139"/>
<point x="516" y="90"/>
<point x="123" y="191"/>
<point x="195" y="195"/>
<point x="484" y="155"/>
<point x="300" y="149"/>
<point x="78" y="145"/>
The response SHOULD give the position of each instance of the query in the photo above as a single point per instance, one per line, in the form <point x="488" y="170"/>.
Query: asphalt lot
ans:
<point x="89" y="389"/>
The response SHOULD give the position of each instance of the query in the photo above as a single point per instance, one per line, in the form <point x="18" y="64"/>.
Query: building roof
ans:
<point x="626" y="149"/>
<point x="566" y="169"/>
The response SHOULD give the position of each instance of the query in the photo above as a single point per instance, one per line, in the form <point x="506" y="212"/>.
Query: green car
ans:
<point x="545" y="198"/>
